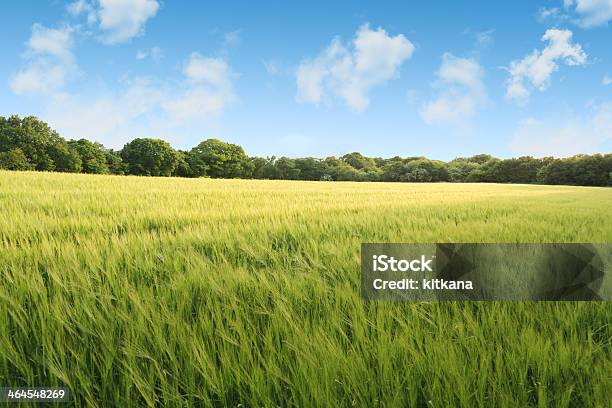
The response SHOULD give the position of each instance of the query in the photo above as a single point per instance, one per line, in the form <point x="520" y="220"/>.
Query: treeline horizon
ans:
<point x="31" y="144"/>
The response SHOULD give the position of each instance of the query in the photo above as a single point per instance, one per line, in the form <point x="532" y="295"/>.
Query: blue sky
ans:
<point x="440" y="79"/>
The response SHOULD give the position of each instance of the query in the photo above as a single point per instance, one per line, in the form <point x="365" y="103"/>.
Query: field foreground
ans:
<point x="159" y="291"/>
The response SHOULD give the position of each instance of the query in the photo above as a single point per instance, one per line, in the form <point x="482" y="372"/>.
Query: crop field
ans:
<point x="134" y="291"/>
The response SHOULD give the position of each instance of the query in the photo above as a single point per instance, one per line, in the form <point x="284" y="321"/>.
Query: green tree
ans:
<point x="222" y="160"/>
<point x="14" y="160"/>
<point x="459" y="170"/>
<point x="393" y="169"/>
<point x="114" y="162"/>
<point x="41" y="145"/>
<point x="591" y="170"/>
<point x="397" y="169"/>
<point x="359" y="161"/>
<point x="263" y="168"/>
<point x="93" y="156"/>
<point x="310" y="168"/>
<point x="286" y="169"/>
<point x="522" y="170"/>
<point x="373" y="174"/>
<point x="488" y="172"/>
<point x="340" y="170"/>
<point x="64" y="157"/>
<point x="479" y="158"/>
<point x="183" y="168"/>
<point x="149" y="157"/>
<point x="427" y="170"/>
<point x="197" y="164"/>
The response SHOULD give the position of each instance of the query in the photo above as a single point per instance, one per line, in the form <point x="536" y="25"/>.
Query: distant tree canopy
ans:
<point x="218" y="159"/>
<point x="43" y="148"/>
<point x="150" y="157"/>
<point x="92" y="155"/>
<point x="30" y="144"/>
<point x="15" y="159"/>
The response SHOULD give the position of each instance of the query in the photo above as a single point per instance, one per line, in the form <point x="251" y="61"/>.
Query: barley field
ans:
<point x="195" y="292"/>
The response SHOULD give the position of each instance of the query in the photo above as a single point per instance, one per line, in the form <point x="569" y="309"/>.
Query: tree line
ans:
<point x="30" y="144"/>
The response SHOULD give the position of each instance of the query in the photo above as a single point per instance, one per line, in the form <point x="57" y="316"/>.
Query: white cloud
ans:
<point x="155" y="53"/>
<point x="50" y="61"/>
<point x="584" y="13"/>
<point x="196" y="103"/>
<point x="50" y="41"/>
<point x="552" y="14"/>
<point x="572" y="136"/>
<point x="537" y="67"/>
<point x="232" y="38"/>
<point x="606" y="80"/>
<point x="79" y="7"/>
<point x="110" y="118"/>
<point x="122" y="20"/>
<point x="461" y="91"/>
<point x="39" y="77"/>
<point x="119" y="20"/>
<point x="484" y="39"/>
<point x="144" y="106"/>
<point x="207" y="92"/>
<point x="207" y="70"/>
<point x="590" y="13"/>
<point x="272" y="67"/>
<point x="350" y="72"/>
<point x="449" y="108"/>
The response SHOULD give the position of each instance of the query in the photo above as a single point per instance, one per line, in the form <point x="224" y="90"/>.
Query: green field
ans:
<point x="195" y="292"/>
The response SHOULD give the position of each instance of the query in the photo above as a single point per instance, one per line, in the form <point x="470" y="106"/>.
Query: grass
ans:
<point x="177" y="292"/>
